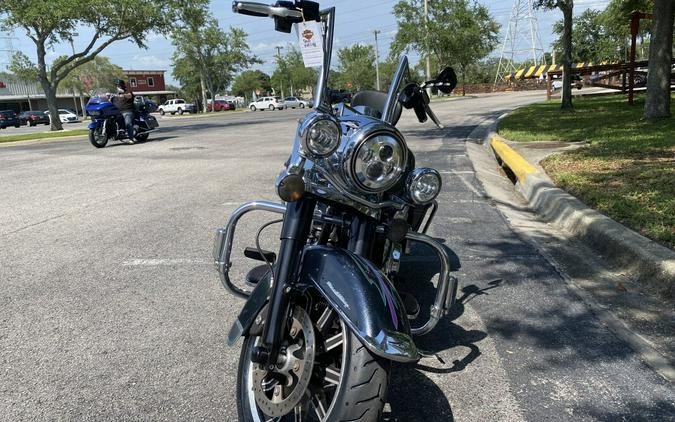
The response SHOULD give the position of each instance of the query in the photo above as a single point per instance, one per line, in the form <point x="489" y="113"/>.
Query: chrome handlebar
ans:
<point x="260" y="9"/>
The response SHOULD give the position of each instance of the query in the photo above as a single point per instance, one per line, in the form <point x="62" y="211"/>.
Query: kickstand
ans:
<point x="430" y="355"/>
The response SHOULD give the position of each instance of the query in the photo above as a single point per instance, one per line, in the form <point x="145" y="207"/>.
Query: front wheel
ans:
<point x="324" y="373"/>
<point x="161" y="112"/>
<point x="252" y="108"/>
<point x="97" y="138"/>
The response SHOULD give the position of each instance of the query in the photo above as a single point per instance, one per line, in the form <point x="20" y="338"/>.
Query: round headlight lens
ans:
<point x="378" y="163"/>
<point x="424" y="185"/>
<point x="322" y="137"/>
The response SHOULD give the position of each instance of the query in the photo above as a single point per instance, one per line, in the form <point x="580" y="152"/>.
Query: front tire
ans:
<point x="99" y="140"/>
<point x="161" y="112"/>
<point x="349" y="384"/>
<point x="253" y="108"/>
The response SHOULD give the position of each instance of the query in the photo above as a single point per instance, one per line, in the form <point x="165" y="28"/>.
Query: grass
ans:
<point x="627" y="168"/>
<point x="45" y="135"/>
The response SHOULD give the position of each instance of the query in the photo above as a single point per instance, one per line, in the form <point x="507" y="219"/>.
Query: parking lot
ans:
<point x="110" y="308"/>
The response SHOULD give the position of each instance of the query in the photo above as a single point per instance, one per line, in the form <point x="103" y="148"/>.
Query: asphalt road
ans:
<point x="110" y="308"/>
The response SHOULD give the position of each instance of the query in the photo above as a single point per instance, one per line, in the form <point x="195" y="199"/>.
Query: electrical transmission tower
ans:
<point x="522" y="42"/>
<point x="6" y="48"/>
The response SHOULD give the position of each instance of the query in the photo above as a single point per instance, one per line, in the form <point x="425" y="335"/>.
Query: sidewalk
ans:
<point x="606" y="264"/>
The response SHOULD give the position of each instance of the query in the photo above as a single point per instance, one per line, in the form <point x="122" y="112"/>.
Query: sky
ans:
<point x="356" y="21"/>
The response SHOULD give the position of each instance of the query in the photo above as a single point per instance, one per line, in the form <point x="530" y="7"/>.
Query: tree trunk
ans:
<point x="203" y="86"/>
<point x="48" y="87"/>
<point x="567" y="57"/>
<point x="50" y="94"/>
<point x="657" y="104"/>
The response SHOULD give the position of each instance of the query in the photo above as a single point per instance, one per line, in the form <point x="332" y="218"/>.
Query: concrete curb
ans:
<point x="644" y="260"/>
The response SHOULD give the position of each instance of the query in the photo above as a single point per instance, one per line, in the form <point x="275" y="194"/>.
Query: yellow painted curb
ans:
<point x="518" y="165"/>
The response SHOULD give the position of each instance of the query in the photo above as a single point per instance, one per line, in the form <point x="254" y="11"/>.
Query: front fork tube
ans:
<point x="294" y="233"/>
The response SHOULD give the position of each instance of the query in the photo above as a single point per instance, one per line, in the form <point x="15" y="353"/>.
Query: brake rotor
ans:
<point x="278" y="391"/>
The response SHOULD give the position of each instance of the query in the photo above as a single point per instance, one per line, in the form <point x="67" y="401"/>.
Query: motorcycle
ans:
<point x="108" y="123"/>
<point x="323" y="319"/>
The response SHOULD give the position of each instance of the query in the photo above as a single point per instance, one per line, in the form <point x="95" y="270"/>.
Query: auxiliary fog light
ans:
<point x="424" y="185"/>
<point x="321" y="137"/>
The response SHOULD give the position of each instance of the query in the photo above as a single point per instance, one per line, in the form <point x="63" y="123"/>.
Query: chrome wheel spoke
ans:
<point x="333" y="342"/>
<point x="325" y="318"/>
<point x="319" y="407"/>
<point x="332" y="377"/>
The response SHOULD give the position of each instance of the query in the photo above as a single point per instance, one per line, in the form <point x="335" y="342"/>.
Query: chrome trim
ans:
<point x="417" y="173"/>
<point x="325" y="173"/>
<point x="447" y="285"/>
<point x="309" y="121"/>
<point x="434" y="208"/>
<point x="268" y="10"/>
<point x="322" y="103"/>
<point x="392" y="97"/>
<point x="224" y="237"/>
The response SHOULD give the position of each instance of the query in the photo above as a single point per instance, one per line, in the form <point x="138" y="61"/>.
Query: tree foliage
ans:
<point x="356" y="68"/>
<point x="98" y="73"/>
<point x="251" y="81"/>
<point x="592" y="41"/>
<point x="206" y="56"/>
<point x="50" y="23"/>
<point x="292" y="74"/>
<point x="458" y="33"/>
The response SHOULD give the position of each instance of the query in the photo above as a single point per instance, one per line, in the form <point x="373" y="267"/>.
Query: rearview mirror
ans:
<point x="446" y="81"/>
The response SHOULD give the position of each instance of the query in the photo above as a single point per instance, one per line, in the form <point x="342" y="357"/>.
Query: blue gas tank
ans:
<point x="101" y="108"/>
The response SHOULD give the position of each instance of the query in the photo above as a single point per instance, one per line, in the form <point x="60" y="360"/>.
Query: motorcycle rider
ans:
<point x="124" y="101"/>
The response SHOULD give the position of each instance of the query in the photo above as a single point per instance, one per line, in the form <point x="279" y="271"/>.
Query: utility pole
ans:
<point x="426" y="24"/>
<point x="377" y="61"/>
<point x="279" y="48"/>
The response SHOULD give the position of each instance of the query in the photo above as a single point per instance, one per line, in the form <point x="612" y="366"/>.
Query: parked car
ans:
<point x="268" y="103"/>
<point x="577" y="82"/>
<point x="9" y="118"/>
<point x="178" y="105"/>
<point x="66" y="116"/>
<point x="295" y="102"/>
<point x="34" y="118"/>
<point x="219" y="105"/>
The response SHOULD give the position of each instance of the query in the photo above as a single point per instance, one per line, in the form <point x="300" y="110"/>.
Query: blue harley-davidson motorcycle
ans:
<point x="108" y="123"/>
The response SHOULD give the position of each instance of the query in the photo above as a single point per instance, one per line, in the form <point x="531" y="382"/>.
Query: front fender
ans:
<point x="363" y="297"/>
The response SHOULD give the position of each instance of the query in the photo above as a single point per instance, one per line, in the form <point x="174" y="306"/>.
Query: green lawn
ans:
<point x="627" y="171"/>
<point x="45" y="135"/>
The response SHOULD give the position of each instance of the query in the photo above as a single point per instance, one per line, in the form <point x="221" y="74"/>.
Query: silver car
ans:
<point x="295" y="102"/>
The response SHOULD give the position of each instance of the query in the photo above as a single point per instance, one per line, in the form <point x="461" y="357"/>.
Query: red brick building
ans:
<point x="149" y="83"/>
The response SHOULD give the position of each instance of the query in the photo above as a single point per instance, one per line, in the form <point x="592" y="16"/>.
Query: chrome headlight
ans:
<point x="378" y="162"/>
<point x="424" y="185"/>
<point x="320" y="135"/>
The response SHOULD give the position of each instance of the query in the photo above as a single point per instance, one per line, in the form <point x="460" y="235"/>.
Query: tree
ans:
<point x="657" y="104"/>
<point x="48" y="24"/>
<point x="23" y="69"/>
<point x="251" y="81"/>
<point x="356" y="67"/>
<point x="566" y="6"/>
<point x="457" y="32"/>
<point x="291" y="73"/>
<point x="592" y="41"/>
<point x="98" y="73"/>
<point x="208" y="54"/>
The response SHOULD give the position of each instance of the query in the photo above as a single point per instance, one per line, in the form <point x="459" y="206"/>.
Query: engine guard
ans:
<point x="363" y="296"/>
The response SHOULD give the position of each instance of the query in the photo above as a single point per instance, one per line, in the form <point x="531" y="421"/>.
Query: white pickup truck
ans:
<point x="176" y="106"/>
